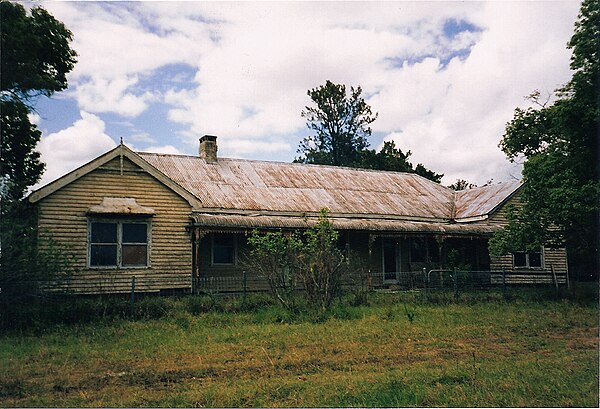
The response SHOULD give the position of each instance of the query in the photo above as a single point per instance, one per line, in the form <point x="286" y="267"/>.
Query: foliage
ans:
<point x="20" y="166"/>
<point x="341" y="125"/>
<point x="274" y="256"/>
<point x="462" y="184"/>
<point x="27" y="260"/>
<point x="309" y="259"/>
<point x="35" y="58"/>
<point x="321" y="263"/>
<point x="36" y="55"/>
<point x="559" y="141"/>
<point x="392" y="158"/>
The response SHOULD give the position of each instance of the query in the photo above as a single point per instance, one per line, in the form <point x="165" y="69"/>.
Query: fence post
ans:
<point x="132" y="296"/>
<point x="504" y="282"/>
<point x="244" y="283"/>
<point x="426" y="280"/>
<point x="455" y="282"/>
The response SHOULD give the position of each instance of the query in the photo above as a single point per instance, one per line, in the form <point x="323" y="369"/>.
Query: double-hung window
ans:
<point x="527" y="259"/>
<point x="119" y="243"/>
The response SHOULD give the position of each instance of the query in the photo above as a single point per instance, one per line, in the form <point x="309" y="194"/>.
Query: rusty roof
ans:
<point x="483" y="200"/>
<point x="291" y="187"/>
<point x="259" y="221"/>
<point x="249" y="193"/>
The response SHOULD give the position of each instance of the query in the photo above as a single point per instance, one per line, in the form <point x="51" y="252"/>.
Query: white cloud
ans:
<point x="142" y="137"/>
<point x="453" y="118"/>
<point x="167" y="149"/>
<point x="102" y="95"/>
<point x="34" y="118"/>
<point x="247" y="147"/>
<point x="74" y="146"/>
<point x="254" y="63"/>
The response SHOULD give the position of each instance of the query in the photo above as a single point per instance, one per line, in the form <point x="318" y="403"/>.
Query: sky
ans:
<point x="444" y="77"/>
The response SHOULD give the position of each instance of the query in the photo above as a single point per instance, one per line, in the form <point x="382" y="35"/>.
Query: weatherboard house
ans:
<point x="175" y="221"/>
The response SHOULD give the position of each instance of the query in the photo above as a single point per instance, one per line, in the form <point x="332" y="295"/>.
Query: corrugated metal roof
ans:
<point x="272" y="186"/>
<point x="378" y="199"/>
<point x="480" y="201"/>
<point x="233" y="221"/>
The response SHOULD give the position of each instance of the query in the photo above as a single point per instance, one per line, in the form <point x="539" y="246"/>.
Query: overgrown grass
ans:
<point x="483" y="350"/>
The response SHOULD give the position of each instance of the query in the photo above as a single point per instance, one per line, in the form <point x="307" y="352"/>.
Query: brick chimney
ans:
<point x="208" y="148"/>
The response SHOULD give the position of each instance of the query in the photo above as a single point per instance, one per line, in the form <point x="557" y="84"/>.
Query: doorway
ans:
<point x="391" y="260"/>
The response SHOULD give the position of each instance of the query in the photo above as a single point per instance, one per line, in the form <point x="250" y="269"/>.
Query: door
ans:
<point x="391" y="260"/>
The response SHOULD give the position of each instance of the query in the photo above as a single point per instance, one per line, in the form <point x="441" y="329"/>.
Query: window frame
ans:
<point x="527" y="265"/>
<point x="212" y="250"/>
<point x="119" y="262"/>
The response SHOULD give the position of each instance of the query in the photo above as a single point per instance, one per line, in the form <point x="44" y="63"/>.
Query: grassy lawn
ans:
<point x="478" y="353"/>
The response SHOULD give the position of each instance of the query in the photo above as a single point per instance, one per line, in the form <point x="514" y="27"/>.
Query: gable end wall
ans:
<point x="62" y="216"/>
<point x="552" y="258"/>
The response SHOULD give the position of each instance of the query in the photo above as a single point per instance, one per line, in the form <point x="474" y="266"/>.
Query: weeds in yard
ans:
<point x="477" y="353"/>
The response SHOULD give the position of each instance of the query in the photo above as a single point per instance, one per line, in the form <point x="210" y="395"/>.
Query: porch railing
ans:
<point x="430" y="280"/>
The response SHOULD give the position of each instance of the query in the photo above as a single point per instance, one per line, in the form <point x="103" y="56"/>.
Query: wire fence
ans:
<point x="24" y="304"/>
<point x="425" y="280"/>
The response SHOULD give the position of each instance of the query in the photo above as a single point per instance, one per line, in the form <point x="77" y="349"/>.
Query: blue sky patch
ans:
<point x="453" y="26"/>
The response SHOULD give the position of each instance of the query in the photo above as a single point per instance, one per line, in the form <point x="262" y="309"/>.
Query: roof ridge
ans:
<point x="394" y="172"/>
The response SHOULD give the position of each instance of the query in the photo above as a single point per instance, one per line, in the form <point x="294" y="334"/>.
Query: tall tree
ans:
<point x="35" y="58"/>
<point x="559" y="141"/>
<point x="392" y="158"/>
<point x="341" y="125"/>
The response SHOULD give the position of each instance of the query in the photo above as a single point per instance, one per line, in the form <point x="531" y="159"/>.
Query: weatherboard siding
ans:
<point x="551" y="258"/>
<point x="63" y="217"/>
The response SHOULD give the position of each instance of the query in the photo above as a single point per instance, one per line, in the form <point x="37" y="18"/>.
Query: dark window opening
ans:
<point x="118" y="244"/>
<point x="223" y="248"/>
<point x="529" y="259"/>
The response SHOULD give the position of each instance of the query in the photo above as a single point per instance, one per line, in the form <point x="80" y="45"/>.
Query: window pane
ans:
<point x="103" y="255"/>
<point x="223" y="249"/>
<point x="104" y="233"/>
<point x="134" y="255"/>
<point x="135" y="233"/>
<point x="535" y="259"/>
<point x="519" y="259"/>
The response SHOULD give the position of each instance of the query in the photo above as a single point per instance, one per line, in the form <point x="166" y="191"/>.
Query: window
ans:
<point x="530" y="259"/>
<point x="223" y="249"/>
<point x="118" y="244"/>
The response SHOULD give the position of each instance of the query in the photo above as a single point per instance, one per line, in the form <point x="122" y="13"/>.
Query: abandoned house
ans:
<point x="169" y="220"/>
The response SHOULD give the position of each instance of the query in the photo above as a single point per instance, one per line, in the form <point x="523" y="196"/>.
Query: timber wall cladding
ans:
<point x="552" y="258"/>
<point x="64" y="214"/>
